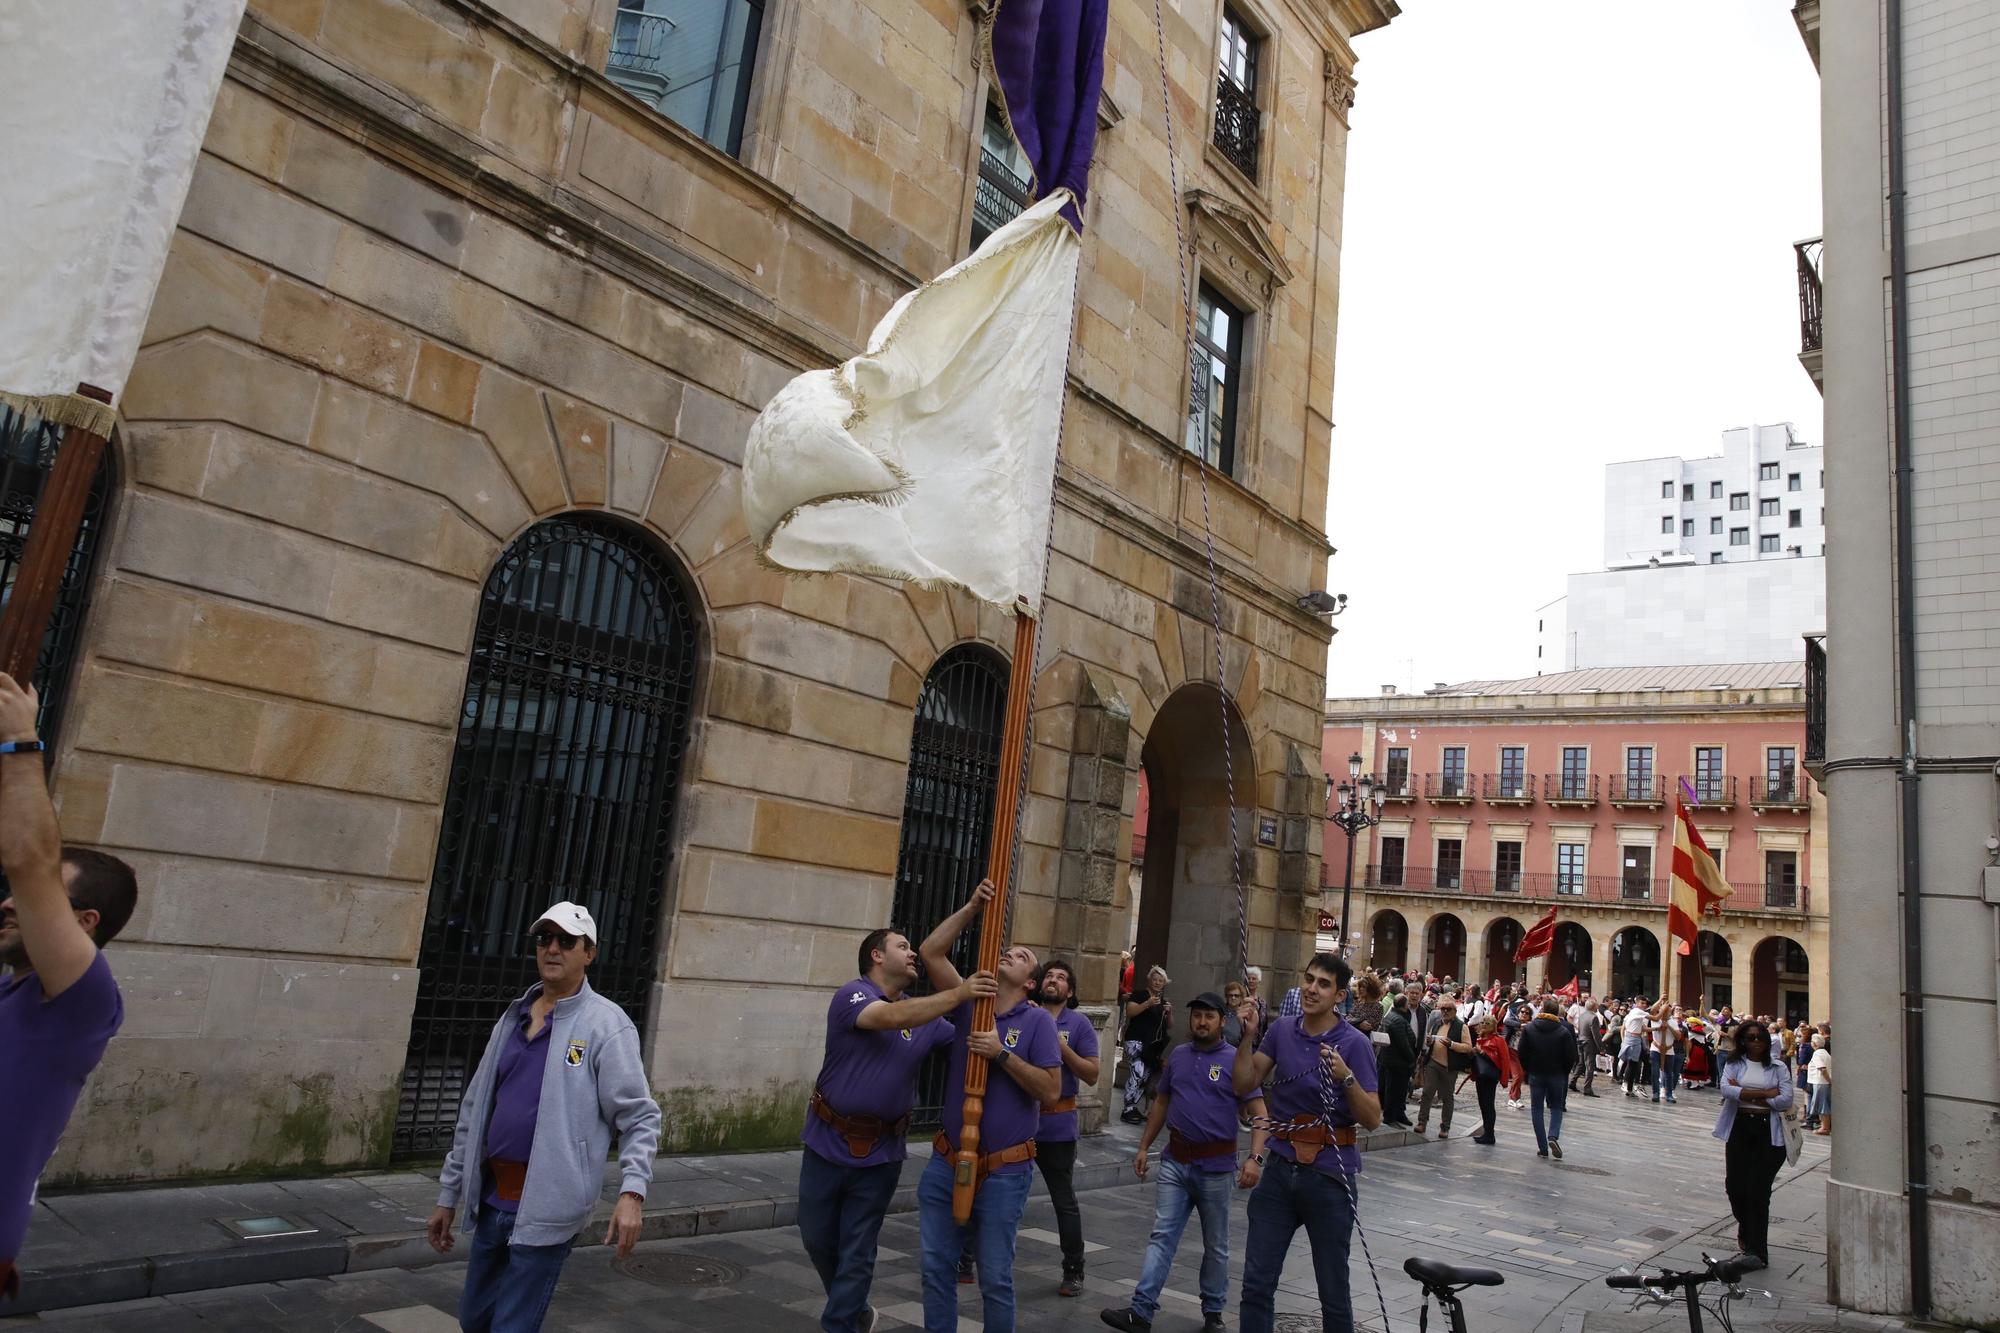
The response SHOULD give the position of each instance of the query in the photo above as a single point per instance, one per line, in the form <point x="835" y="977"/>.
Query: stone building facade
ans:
<point x="454" y="314"/>
<point x="1507" y="798"/>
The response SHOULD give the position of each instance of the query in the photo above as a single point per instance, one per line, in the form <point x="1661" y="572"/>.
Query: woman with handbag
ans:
<point x="1756" y="1093"/>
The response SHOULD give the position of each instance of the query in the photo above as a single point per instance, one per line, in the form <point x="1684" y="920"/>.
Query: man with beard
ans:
<point x="1023" y="1055"/>
<point x="59" y="1005"/>
<point x="1055" y="1141"/>
<point x="876" y="1038"/>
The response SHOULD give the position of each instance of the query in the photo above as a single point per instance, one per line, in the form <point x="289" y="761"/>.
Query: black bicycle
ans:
<point x="1657" y="1289"/>
<point x="1442" y="1282"/>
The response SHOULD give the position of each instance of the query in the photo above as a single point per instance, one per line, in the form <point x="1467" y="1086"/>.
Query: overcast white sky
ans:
<point x="1568" y="243"/>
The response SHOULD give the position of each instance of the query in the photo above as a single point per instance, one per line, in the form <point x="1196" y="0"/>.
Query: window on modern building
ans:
<point x="1217" y="380"/>
<point x="1666" y="523"/>
<point x="1715" y="523"/>
<point x="1687" y="490"/>
<point x="1003" y="179"/>
<point x="1513" y="770"/>
<point x="1575" y="771"/>
<point x="1739" y="536"/>
<point x="1792" y="482"/>
<point x="691" y="60"/>
<point x="1781" y="879"/>
<point x="1569" y="868"/>
<point x="1389" y="870"/>
<point x="1708" y="773"/>
<point x="1767" y="508"/>
<point x="1781" y="771"/>
<point x="1715" y="557"/>
<point x="1715" y="490"/>
<point x="1767" y="472"/>
<point x="1451" y="863"/>
<point x="1398" y="773"/>
<point x="1687" y="527"/>
<point x="1768" y="543"/>
<point x="1666" y="490"/>
<point x="1506" y="867"/>
<point x="1453" y="774"/>
<point x="1639" y="772"/>
<point x="1739" y="499"/>
<point x="1236" y="116"/>
<point x="1795" y="518"/>
<point x="1636" y="873"/>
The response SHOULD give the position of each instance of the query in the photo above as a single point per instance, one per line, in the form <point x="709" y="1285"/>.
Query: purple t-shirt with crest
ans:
<point x="1203" y="1103"/>
<point x="1074" y="1031"/>
<point x="1295" y="1089"/>
<point x="868" y="1073"/>
<point x="1010" y="1116"/>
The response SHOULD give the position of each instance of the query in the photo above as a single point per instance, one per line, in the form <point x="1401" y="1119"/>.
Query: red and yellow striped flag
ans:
<point x="1697" y="883"/>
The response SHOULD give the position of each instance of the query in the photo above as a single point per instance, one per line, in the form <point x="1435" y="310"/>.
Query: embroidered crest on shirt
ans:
<point x="574" y="1055"/>
<point x="1063" y="1036"/>
<point x="907" y="1036"/>
<point x="1013" y="1038"/>
<point x="1215" y="1073"/>
<point x="856" y="998"/>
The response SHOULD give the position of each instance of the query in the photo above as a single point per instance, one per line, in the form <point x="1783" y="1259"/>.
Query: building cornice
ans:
<point x="1580" y="708"/>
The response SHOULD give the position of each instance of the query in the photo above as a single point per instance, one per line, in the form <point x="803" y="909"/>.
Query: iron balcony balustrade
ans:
<point x="1398" y="787"/>
<point x="1449" y="788"/>
<point x="1236" y="125"/>
<point x="1716" y="793"/>
<point x="1508" y="788"/>
<point x="1793" y="793"/>
<point x="1001" y="196"/>
<point x="1649" y="793"/>
<point x="1578" y="789"/>
<point x="638" y="53"/>
<point x="1814" y="758"/>
<point x="1811" y="306"/>
<point x="1586" y="889"/>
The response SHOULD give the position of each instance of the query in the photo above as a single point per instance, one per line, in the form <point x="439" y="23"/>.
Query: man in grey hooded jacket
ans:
<point x="561" y="1075"/>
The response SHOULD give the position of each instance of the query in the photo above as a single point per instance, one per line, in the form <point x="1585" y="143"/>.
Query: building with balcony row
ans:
<point x="1505" y="798"/>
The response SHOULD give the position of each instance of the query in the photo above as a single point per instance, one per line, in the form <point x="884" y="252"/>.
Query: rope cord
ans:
<point x="1326" y="1088"/>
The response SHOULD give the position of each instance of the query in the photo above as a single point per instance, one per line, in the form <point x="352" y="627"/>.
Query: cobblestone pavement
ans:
<point x="1639" y="1181"/>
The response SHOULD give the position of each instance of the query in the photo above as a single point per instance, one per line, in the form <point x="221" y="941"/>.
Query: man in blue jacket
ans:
<point x="561" y="1075"/>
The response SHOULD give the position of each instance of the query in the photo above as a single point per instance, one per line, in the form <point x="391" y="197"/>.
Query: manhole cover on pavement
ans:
<point x="1297" y="1323"/>
<point x="679" y="1270"/>
<point x="1659" y="1233"/>
<point x="1585" y="1171"/>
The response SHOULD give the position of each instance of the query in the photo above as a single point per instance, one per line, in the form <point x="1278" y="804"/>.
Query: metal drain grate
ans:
<point x="1659" y="1233"/>
<point x="679" y="1270"/>
<point x="1807" y="1328"/>
<point x="1297" y="1323"/>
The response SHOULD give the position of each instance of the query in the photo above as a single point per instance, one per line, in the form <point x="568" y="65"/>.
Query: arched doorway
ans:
<point x="570" y="741"/>
<point x="1503" y="937"/>
<point x="1635" y="964"/>
<point x="1779" y="971"/>
<point x="948" y="814"/>
<point x="1389" y="941"/>
<point x="1444" y="946"/>
<point x="1569" y="958"/>
<point x="1705" y="973"/>
<point x="1187" y="903"/>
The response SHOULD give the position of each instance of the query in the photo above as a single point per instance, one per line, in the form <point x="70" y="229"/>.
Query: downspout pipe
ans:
<point x="1915" y="1127"/>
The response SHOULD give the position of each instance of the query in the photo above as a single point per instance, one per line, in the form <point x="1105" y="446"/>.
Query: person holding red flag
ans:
<point x="1492" y="1063"/>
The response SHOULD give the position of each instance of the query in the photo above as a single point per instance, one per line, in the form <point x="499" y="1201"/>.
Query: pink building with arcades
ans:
<point x="1508" y="797"/>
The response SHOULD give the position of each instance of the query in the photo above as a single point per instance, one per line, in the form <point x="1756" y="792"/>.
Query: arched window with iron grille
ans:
<point x="948" y="813"/>
<point x="570" y="744"/>
<point x="27" y="455"/>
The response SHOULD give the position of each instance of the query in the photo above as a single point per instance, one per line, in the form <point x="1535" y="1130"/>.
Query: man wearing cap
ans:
<point x="1200" y="1107"/>
<point x="876" y="1038"/>
<point x="1023" y="1055"/>
<point x="561" y="1075"/>
<point x="1055" y="1141"/>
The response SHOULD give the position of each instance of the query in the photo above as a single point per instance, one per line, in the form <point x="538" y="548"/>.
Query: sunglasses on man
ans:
<point x="546" y="936"/>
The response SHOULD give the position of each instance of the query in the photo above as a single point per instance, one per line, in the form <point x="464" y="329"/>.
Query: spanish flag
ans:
<point x="1697" y="883"/>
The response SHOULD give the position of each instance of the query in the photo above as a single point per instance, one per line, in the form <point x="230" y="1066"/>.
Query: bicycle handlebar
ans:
<point x="1628" y="1280"/>
<point x="1718" y="1270"/>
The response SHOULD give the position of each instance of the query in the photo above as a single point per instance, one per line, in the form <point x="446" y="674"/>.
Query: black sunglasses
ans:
<point x="543" y="937"/>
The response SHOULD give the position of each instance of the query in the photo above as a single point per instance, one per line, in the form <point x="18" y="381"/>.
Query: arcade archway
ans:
<point x="1704" y="981"/>
<point x="1569" y="959"/>
<point x="1389" y="941"/>
<point x="1635" y="964"/>
<point x="1444" y="946"/>
<point x="1503" y="937"/>
<point x="1778" y="975"/>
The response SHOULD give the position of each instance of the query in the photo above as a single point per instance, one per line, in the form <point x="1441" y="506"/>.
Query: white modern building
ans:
<point x="1762" y="498"/>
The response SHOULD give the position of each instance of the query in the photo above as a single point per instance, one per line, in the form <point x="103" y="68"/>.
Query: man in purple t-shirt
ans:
<point x="876" y="1037"/>
<point x="1310" y="1178"/>
<point x="1199" y="1106"/>
<point x="1055" y="1141"/>
<point x="1023" y="1055"/>
<point x="59" y="1005"/>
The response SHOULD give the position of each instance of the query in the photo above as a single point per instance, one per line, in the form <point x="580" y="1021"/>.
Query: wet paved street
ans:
<point x="1639" y="1180"/>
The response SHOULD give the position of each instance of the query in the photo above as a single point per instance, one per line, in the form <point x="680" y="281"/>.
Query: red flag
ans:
<point x="1696" y="885"/>
<point x="1571" y="991"/>
<point x="1493" y="993"/>
<point x="1540" y="939"/>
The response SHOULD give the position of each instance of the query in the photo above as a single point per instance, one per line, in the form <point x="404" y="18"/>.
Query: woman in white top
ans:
<point x="1819" y="1086"/>
<point x="1756" y="1090"/>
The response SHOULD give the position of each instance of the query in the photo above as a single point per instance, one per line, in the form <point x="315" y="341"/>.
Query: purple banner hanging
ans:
<point x="1048" y="57"/>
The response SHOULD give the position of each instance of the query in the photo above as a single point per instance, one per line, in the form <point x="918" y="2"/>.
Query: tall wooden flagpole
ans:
<point x="51" y="536"/>
<point x="999" y="865"/>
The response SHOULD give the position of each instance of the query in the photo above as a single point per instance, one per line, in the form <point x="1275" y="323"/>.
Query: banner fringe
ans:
<point x="65" y="409"/>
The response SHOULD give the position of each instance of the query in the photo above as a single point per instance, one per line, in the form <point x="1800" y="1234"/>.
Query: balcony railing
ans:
<point x="1000" y="197"/>
<point x="1448" y="787"/>
<point x="1715" y="793"/>
<point x="1629" y="790"/>
<point x="1398" y="787"/>
<point x="1548" y="888"/>
<point x="1815" y="755"/>
<point x="1792" y="793"/>
<point x="1508" y="788"/>
<point x="1570" y="788"/>
<point x="1236" y="125"/>
<point x="1808" y="254"/>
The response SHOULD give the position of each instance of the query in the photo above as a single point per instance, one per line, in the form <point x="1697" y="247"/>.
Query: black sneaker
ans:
<point x="1555" y="1150"/>
<point x="968" y="1272"/>
<point x="1072" y="1285"/>
<point x="1126" y="1320"/>
<point x="1212" y="1323"/>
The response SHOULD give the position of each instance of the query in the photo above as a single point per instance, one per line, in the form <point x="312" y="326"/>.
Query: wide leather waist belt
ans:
<point x="509" y="1178"/>
<point x="862" y="1132"/>
<point x="1188" y="1150"/>
<point x="991" y="1162"/>
<point x="1061" y="1106"/>
<point x="1307" y="1136"/>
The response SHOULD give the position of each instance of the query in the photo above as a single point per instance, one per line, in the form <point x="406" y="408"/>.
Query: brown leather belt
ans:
<point x="864" y="1133"/>
<point x="1061" y="1106"/>
<point x="991" y="1162"/>
<point x="1307" y="1136"/>
<point x="1187" y="1150"/>
<point x="509" y="1178"/>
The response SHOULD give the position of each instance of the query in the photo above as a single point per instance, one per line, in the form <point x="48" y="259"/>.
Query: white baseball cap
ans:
<point x="571" y="919"/>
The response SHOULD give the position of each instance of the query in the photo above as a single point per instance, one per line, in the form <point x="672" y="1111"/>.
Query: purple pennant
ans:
<point x="1048" y="57"/>
<point x="1687" y="790"/>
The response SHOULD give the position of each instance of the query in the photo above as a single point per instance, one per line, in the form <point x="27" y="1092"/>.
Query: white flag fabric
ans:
<point x="931" y="457"/>
<point x="105" y="103"/>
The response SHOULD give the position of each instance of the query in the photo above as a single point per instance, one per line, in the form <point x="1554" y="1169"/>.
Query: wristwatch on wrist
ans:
<point x="22" y="747"/>
<point x="1349" y="1081"/>
<point x="1004" y="1056"/>
<point x="1257" y="1157"/>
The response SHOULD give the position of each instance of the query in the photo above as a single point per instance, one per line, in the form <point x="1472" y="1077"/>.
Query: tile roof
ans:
<point x="1627" y="680"/>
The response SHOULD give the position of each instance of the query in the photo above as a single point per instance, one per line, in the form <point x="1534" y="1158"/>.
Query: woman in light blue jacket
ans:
<point x="1756" y="1092"/>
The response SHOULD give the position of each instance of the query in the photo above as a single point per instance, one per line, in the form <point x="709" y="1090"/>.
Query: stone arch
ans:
<point x="1389" y="940"/>
<point x="1636" y="957"/>
<point x="1779" y="974"/>
<point x="1570" y="957"/>
<point x="1502" y="937"/>
<point x="1705" y="973"/>
<point x="1444" y="946"/>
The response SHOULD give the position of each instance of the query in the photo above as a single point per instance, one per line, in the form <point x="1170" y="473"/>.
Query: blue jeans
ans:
<point x="507" y="1287"/>
<point x="1550" y="1091"/>
<point x="1184" y="1188"/>
<point x="996" y="1217"/>
<point x="840" y="1217"/>
<point x="1666" y="1076"/>
<point x="1287" y="1198"/>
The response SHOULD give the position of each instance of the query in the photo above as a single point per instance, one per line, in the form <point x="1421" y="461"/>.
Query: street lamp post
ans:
<point x="1359" y="807"/>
